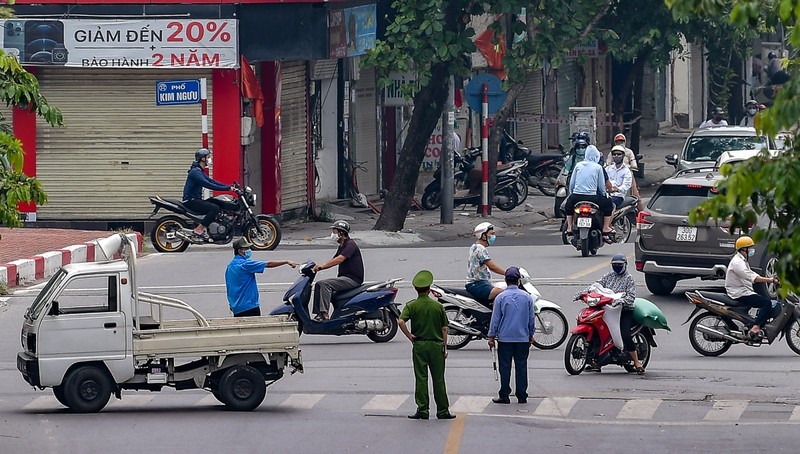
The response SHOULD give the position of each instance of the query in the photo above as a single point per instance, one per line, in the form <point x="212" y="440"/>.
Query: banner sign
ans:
<point x="351" y="31"/>
<point x="139" y="43"/>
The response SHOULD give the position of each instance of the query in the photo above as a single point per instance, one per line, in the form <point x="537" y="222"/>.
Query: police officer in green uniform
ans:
<point x="428" y="335"/>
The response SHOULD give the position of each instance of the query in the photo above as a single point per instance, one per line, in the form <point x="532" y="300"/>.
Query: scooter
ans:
<point x="510" y="190"/>
<point x="368" y="309"/>
<point x="469" y="317"/>
<point x="543" y="168"/>
<point x="623" y="221"/>
<point x="726" y="322"/>
<point x="595" y="338"/>
<point x="587" y="228"/>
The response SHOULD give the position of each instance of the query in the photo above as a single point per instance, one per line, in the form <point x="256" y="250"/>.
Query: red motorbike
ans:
<point x="594" y="339"/>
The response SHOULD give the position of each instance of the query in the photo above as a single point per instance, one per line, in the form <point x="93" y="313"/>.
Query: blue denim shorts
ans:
<point x="481" y="289"/>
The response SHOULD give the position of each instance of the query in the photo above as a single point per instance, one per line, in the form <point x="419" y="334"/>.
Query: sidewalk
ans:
<point x="27" y="254"/>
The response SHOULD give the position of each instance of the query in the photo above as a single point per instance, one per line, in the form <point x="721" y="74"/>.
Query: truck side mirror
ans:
<point x="54" y="309"/>
<point x="672" y="159"/>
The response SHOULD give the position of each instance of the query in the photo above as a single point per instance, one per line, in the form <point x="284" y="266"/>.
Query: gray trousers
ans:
<point x="325" y="288"/>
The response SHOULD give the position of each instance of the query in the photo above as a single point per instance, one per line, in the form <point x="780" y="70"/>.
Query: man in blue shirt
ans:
<point x="240" y="279"/>
<point x="512" y="324"/>
<point x="588" y="184"/>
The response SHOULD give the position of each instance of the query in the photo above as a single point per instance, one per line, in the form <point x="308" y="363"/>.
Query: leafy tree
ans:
<point x="18" y="88"/>
<point x="763" y="186"/>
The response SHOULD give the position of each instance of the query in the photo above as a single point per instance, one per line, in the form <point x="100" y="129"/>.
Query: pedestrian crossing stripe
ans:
<point x="470" y="404"/>
<point x="302" y="401"/>
<point x="383" y="402"/>
<point x="639" y="409"/>
<point x="726" y="410"/>
<point x="556" y="406"/>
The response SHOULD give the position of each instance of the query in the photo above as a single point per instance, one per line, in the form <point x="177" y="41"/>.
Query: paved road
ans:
<point x="354" y="395"/>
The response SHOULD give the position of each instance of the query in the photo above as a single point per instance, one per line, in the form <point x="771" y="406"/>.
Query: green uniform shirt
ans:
<point x="427" y="318"/>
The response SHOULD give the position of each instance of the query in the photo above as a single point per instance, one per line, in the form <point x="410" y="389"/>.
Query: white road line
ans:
<point x="795" y="414"/>
<point x="206" y="401"/>
<point x="470" y="404"/>
<point x="556" y="406"/>
<point x="131" y="401"/>
<point x="385" y="402"/>
<point x="639" y="409"/>
<point x="43" y="403"/>
<point x="302" y="401"/>
<point x="726" y="410"/>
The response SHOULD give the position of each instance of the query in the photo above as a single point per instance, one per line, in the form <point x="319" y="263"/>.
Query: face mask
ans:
<point x="751" y="112"/>
<point x="334" y="237"/>
<point x="492" y="239"/>
<point x="619" y="269"/>
<point x="751" y="252"/>
<point x="617" y="159"/>
<point x="580" y="151"/>
<point x="247" y="254"/>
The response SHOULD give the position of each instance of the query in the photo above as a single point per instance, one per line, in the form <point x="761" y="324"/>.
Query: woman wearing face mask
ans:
<point x="240" y="279"/>
<point x="480" y="265"/>
<point x="739" y="280"/>
<point x="752" y="109"/>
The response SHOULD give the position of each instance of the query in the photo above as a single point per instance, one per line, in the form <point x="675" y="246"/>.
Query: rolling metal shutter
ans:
<point x="567" y="97"/>
<point x="294" y="141"/>
<point x="530" y="102"/>
<point x="116" y="147"/>
<point x="365" y="149"/>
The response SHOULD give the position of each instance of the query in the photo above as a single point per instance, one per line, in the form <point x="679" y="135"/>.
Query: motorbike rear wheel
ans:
<point x="388" y="332"/>
<point x="511" y="199"/>
<point x="456" y="340"/>
<point x="556" y="323"/>
<point x="431" y="199"/>
<point x="701" y="342"/>
<point x="548" y="180"/>
<point x="624" y="227"/>
<point x="522" y="190"/>
<point x="585" y="247"/>
<point x="576" y="354"/>
<point x="793" y="335"/>
<point x="266" y="236"/>
<point x="163" y="228"/>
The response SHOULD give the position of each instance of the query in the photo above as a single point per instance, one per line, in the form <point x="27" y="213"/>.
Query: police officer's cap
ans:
<point x="423" y="279"/>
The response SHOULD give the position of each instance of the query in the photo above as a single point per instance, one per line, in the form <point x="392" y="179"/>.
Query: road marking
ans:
<point x="207" y="400"/>
<point x="132" y="401"/>
<point x="639" y="409"/>
<point x="726" y="410"/>
<point x="795" y="414"/>
<point x="453" y="443"/>
<point x="592" y="269"/>
<point x="385" y="402"/>
<point x="302" y="401"/>
<point x="470" y="404"/>
<point x="556" y="406"/>
<point x="43" y="403"/>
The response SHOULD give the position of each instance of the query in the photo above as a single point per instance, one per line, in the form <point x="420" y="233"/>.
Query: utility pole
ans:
<point x="446" y="158"/>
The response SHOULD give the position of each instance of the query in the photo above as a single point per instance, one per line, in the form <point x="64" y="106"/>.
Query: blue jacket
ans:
<point x="240" y="283"/>
<point x="588" y="177"/>
<point x="513" y="318"/>
<point x="197" y="180"/>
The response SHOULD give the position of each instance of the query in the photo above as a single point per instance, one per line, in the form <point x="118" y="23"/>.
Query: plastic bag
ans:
<point x="648" y="314"/>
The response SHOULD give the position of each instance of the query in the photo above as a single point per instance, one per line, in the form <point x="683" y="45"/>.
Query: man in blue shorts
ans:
<point x="480" y="265"/>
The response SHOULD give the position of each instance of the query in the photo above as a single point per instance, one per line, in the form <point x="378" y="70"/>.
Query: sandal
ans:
<point x="608" y="237"/>
<point x="639" y="370"/>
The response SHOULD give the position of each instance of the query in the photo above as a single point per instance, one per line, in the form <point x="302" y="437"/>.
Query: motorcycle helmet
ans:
<point x="341" y="226"/>
<point x="619" y="137"/>
<point x="201" y="153"/>
<point x="751" y="102"/>
<point x="482" y="228"/>
<point x="585" y="136"/>
<point x="619" y="263"/>
<point x="580" y="148"/>
<point x="744" y="242"/>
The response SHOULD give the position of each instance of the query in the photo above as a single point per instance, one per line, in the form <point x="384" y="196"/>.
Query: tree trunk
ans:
<point x="618" y="107"/>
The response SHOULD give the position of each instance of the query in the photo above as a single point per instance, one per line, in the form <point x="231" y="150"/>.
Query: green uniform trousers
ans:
<point x="429" y="355"/>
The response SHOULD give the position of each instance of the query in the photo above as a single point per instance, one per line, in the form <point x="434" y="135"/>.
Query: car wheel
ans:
<point x="659" y="284"/>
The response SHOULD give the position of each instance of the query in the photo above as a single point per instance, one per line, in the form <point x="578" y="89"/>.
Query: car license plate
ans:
<point x="584" y="222"/>
<point x="686" y="234"/>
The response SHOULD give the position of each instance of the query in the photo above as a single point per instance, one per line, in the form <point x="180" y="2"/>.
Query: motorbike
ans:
<point x="173" y="233"/>
<point x="367" y="309"/>
<point x="725" y="321"/>
<point x="596" y="337"/>
<point x="463" y="164"/>
<point x="623" y="221"/>
<point x="470" y="317"/>
<point x="543" y="169"/>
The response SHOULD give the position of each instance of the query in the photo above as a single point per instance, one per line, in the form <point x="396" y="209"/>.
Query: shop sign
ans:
<point x="177" y="92"/>
<point x="589" y="49"/>
<point x="139" y="43"/>
<point x="393" y="95"/>
<point x="351" y="31"/>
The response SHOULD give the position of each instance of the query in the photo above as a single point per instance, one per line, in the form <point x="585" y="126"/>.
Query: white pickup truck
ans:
<point x="90" y="333"/>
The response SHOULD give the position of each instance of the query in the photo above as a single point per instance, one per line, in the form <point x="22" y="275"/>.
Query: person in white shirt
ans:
<point x="739" y="280"/>
<point x="717" y="119"/>
<point x="619" y="175"/>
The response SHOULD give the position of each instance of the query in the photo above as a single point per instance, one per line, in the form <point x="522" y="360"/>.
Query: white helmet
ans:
<point x="482" y="228"/>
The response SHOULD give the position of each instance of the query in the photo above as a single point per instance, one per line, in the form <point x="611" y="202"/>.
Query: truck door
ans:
<point x="88" y="322"/>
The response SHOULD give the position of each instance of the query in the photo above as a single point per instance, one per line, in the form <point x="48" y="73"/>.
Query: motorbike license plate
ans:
<point x="584" y="222"/>
<point x="686" y="234"/>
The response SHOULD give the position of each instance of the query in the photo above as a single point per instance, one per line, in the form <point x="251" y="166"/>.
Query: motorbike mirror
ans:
<point x="672" y="159"/>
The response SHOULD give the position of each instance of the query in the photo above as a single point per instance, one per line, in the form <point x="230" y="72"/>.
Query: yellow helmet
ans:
<point x="743" y="242"/>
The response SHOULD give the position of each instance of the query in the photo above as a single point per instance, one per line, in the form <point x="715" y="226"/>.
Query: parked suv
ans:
<point x="705" y="145"/>
<point x="668" y="249"/>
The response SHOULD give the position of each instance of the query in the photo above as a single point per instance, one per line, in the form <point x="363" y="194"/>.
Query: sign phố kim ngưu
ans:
<point x="139" y="43"/>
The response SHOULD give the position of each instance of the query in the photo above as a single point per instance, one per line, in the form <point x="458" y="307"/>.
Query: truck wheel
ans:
<point x="242" y="388"/>
<point x="58" y="391"/>
<point x="87" y="389"/>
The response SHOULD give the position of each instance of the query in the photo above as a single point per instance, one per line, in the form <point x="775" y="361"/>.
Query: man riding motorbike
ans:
<point x="588" y="183"/>
<point x="619" y="280"/>
<point x="739" y="280"/>
<point x="351" y="270"/>
<point x="193" y="192"/>
<point x="620" y="175"/>
<point x="480" y="264"/>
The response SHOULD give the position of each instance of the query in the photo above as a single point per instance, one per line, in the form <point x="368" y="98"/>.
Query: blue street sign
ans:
<point x="474" y="92"/>
<point x="175" y="92"/>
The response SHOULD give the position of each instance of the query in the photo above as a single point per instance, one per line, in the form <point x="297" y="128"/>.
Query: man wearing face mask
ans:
<point x="480" y="264"/>
<point x="196" y="180"/>
<point x="752" y="109"/>
<point x="619" y="174"/>
<point x="351" y="270"/>
<point x="739" y="280"/>
<point x="240" y="279"/>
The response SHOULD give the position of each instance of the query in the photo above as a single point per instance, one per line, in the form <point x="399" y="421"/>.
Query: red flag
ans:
<point x="252" y="89"/>
<point x="493" y="53"/>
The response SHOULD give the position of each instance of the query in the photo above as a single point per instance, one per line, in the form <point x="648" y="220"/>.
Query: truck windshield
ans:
<point x="44" y="295"/>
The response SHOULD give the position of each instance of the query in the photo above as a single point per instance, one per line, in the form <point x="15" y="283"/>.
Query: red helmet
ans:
<point x="619" y="136"/>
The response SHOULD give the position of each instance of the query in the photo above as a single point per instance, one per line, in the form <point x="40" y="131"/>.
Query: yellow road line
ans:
<point x="453" y="443"/>
<point x="595" y="268"/>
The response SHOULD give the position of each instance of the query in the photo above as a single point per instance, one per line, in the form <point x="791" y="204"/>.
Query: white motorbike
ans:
<point x="470" y="317"/>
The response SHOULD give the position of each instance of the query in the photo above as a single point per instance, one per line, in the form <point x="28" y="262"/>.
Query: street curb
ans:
<point x="42" y="266"/>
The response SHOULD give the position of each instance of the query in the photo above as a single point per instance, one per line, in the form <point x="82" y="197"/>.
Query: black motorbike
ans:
<point x="173" y="233"/>
<point x="543" y="169"/>
<point x="623" y="222"/>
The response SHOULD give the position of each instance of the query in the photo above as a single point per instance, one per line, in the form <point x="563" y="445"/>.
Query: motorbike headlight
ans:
<point x="592" y="301"/>
<point x="252" y="199"/>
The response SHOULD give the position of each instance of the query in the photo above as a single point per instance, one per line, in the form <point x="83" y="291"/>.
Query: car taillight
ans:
<point x="32" y="343"/>
<point x="693" y="186"/>
<point x="639" y="265"/>
<point x="641" y="221"/>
